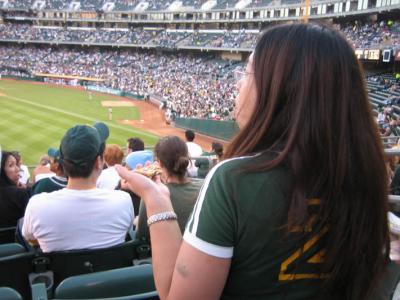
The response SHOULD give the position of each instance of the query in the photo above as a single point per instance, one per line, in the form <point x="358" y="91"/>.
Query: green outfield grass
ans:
<point x="34" y="117"/>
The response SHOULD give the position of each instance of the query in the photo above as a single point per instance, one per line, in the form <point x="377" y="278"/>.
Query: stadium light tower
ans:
<point x="306" y="15"/>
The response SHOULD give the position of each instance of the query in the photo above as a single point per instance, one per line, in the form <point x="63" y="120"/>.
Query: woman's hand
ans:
<point x="152" y="191"/>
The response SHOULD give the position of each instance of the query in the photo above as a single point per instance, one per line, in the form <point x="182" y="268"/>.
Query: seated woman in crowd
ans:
<point x="13" y="199"/>
<point x="173" y="157"/>
<point x="298" y="209"/>
<point x="109" y="178"/>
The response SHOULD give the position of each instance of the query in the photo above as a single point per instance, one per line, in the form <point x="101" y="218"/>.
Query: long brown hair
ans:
<point x="312" y="110"/>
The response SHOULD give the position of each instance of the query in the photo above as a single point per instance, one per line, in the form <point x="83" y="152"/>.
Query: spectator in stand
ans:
<point x="173" y="157"/>
<point x="13" y="199"/>
<point x="24" y="174"/>
<point x="134" y="144"/>
<point x="218" y="150"/>
<point x="79" y="216"/>
<point x="42" y="170"/>
<point x="53" y="183"/>
<point x="193" y="148"/>
<point x="291" y="191"/>
<point x="194" y="151"/>
<point x="109" y="178"/>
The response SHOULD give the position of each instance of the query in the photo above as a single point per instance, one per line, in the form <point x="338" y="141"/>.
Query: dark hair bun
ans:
<point x="181" y="165"/>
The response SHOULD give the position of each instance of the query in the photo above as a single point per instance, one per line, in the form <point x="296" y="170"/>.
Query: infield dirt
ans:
<point x="153" y="121"/>
<point x="126" y="103"/>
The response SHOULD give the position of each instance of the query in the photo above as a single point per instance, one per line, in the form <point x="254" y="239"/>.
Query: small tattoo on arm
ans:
<point x="182" y="270"/>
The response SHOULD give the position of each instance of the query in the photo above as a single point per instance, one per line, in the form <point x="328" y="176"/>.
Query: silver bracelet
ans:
<point x="164" y="216"/>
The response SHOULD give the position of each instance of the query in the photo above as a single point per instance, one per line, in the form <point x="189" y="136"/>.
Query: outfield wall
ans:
<point x="224" y="130"/>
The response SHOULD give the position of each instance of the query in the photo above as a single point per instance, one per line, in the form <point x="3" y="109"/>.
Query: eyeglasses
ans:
<point x="239" y="73"/>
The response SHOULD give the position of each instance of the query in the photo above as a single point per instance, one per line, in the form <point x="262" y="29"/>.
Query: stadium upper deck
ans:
<point x="191" y="11"/>
<point x="138" y="5"/>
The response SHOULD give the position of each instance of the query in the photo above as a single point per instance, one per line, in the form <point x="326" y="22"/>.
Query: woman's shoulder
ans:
<point x="245" y="165"/>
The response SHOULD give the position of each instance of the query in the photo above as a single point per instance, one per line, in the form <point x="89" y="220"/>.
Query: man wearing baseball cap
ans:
<point x="80" y="216"/>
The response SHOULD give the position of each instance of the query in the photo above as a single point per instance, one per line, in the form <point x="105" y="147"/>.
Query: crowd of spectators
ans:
<point x="129" y="5"/>
<point x="192" y="86"/>
<point x="364" y="35"/>
<point x="137" y="36"/>
<point x="361" y="35"/>
<point x="384" y="93"/>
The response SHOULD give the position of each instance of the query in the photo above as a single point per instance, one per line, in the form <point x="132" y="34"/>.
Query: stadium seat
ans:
<point x="63" y="264"/>
<point x="14" y="272"/>
<point x="7" y="293"/>
<point x="126" y="283"/>
<point x="7" y="235"/>
<point x="11" y="249"/>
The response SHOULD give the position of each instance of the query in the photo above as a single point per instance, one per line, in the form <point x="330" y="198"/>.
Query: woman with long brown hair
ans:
<point x="298" y="210"/>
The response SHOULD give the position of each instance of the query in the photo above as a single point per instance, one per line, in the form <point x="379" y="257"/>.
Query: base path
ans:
<point x="153" y="120"/>
<point x="125" y="103"/>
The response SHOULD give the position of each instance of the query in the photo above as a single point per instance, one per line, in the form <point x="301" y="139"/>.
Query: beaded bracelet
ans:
<point x="164" y="216"/>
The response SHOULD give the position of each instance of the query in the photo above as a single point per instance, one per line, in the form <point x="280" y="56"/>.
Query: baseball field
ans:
<point x="35" y="116"/>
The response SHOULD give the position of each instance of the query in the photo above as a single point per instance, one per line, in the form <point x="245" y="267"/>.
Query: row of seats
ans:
<point x="119" y="271"/>
<point x="130" y="283"/>
<point x="137" y="283"/>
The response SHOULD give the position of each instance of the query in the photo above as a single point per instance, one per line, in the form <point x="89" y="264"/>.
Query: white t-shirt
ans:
<point x="194" y="149"/>
<point x="108" y="179"/>
<point x="78" y="219"/>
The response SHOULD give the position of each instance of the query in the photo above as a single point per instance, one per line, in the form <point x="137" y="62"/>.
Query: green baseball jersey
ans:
<point x="49" y="184"/>
<point x="243" y="216"/>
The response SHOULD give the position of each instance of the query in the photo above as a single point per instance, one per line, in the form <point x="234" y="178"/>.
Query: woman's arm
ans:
<point x="180" y="270"/>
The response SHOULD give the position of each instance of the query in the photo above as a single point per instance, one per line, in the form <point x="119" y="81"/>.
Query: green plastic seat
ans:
<point x="14" y="272"/>
<point x="134" y="282"/>
<point x="7" y="293"/>
<point x="64" y="264"/>
<point x="7" y="235"/>
<point x="11" y="249"/>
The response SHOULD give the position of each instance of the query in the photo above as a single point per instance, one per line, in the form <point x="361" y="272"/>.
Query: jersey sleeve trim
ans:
<point x="208" y="248"/>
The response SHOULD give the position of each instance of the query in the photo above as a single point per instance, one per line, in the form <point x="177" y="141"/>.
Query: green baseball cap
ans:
<point x="55" y="153"/>
<point x="81" y="144"/>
